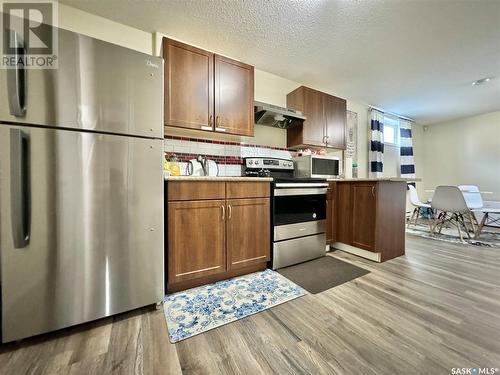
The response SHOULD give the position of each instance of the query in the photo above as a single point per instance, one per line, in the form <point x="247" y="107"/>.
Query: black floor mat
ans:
<point x="321" y="274"/>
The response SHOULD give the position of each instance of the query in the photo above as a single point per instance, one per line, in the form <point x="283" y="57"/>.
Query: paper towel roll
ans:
<point x="348" y="168"/>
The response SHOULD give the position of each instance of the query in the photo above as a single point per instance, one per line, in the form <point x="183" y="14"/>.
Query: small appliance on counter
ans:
<point x="298" y="211"/>
<point x="317" y="166"/>
<point x="201" y="166"/>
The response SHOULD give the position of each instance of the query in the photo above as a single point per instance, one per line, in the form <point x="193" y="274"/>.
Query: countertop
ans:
<point x="217" y="178"/>
<point x="269" y="179"/>
<point x="394" y="179"/>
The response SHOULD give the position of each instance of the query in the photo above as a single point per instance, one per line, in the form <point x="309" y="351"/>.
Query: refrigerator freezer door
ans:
<point x="81" y="223"/>
<point x="98" y="86"/>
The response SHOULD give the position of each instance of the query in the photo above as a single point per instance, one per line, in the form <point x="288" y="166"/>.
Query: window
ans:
<point x="391" y="131"/>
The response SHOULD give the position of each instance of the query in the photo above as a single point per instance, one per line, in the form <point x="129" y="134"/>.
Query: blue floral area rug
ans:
<point x="198" y="310"/>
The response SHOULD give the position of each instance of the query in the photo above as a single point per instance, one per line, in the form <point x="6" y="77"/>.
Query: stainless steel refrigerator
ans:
<point x="81" y="187"/>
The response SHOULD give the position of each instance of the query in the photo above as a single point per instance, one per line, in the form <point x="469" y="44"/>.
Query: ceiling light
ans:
<point x="481" y="81"/>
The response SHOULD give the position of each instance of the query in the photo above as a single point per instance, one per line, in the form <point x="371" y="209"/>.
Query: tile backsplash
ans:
<point x="228" y="155"/>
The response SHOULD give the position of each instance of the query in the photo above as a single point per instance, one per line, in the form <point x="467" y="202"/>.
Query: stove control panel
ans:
<point x="269" y="163"/>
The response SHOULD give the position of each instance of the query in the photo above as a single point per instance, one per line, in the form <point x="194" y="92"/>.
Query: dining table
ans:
<point x="463" y="191"/>
<point x="486" y="210"/>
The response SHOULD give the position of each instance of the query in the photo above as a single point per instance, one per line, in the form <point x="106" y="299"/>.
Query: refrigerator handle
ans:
<point x="16" y="81"/>
<point x="20" y="188"/>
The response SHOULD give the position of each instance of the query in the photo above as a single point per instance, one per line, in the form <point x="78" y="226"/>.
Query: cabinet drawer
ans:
<point x="257" y="189"/>
<point x="195" y="190"/>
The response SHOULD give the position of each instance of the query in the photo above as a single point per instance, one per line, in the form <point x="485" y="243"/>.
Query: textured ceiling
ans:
<point x="413" y="57"/>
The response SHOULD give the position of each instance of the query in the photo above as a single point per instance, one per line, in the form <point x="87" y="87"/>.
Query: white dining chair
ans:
<point x="472" y="196"/>
<point x="450" y="203"/>
<point x="474" y="201"/>
<point x="418" y="204"/>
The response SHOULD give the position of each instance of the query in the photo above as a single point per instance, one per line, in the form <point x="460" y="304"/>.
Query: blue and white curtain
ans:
<point x="406" y="161"/>
<point x="377" y="144"/>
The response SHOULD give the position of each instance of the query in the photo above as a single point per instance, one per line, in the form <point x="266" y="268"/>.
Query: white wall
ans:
<point x="463" y="151"/>
<point x="78" y="21"/>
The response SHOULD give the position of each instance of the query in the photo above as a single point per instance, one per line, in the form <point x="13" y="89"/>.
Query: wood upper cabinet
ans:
<point x="325" y="123"/>
<point x="336" y="121"/>
<point x="234" y="84"/>
<point x="310" y="102"/>
<point x="189" y="86"/>
<point x="196" y="239"/>
<point x="248" y="226"/>
<point x="206" y="91"/>
<point x="364" y="204"/>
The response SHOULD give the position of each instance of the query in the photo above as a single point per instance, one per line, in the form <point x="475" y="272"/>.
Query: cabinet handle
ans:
<point x="230" y="211"/>
<point x="223" y="212"/>
<point x="218" y="128"/>
<point x="210" y="120"/>
<point x="373" y="190"/>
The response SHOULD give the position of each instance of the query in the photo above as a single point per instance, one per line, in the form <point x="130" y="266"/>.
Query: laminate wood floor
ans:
<point x="435" y="309"/>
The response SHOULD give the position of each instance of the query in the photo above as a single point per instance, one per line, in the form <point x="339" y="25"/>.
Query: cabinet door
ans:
<point x="189" y="86"/>
<point x="248" y="232"/>
<point x="314" y="126"/>
<point x="363" y="215"/>
<point x="343" y="213"/>
<point x="233" y="97"/>
<point x="196" y="239"/>
<point x="330" y="215"/>
<point x="335" y="117"/>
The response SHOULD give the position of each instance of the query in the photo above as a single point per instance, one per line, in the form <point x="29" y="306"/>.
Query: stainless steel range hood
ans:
<point x="279" y="117"/>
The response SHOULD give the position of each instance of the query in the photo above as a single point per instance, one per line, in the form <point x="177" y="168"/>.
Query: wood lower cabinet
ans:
<point x="206" y="91"/>
<point x="371" y="217"/>
<point x="343" y="223"/>
<point x="364" y="204"/>
<point x="248" y="227"/>
<point x="196" y="239"/>
<point x="212" y="239"/>
<point x="331" y="229"/>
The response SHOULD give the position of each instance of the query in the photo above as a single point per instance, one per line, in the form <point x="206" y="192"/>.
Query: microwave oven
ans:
<point x="317" y="166"/>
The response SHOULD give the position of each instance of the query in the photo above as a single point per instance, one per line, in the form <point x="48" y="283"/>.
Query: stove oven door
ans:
<point x="299" y="204"/>
<point x="299" y="223"/>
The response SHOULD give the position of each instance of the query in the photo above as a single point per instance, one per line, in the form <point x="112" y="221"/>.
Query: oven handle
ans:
<point x="299" y="191"/>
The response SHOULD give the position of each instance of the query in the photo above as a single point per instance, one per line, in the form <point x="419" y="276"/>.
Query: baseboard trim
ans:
<point x="376" y="257"/>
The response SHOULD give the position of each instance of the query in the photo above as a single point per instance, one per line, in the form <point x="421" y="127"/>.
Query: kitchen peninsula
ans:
<point x="366" y="216"/>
